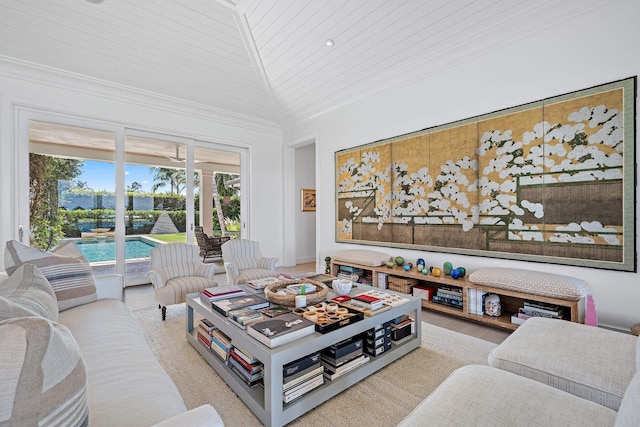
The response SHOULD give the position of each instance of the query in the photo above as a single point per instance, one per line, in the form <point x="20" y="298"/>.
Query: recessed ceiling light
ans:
<point x="329" y="42"/>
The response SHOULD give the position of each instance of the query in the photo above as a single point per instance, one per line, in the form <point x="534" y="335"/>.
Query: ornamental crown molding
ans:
<point x="35" y="73"/>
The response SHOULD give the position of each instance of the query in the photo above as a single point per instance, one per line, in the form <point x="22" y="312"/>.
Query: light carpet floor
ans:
<point x="383" y="399"/>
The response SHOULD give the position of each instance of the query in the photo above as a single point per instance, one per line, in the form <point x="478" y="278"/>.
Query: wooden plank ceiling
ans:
<point x="267" y="59"/>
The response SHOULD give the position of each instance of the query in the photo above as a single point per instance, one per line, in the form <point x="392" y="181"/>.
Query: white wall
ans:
<point x="305" y="221"/>
<point x="46" y="90"/>
<point x="594" y="48"/>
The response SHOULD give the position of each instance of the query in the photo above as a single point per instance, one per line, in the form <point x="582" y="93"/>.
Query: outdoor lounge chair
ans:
<point x="210" y="247"/>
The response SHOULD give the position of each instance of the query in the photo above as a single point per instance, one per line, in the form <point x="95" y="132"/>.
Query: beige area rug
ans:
<point x="383" y="399"/>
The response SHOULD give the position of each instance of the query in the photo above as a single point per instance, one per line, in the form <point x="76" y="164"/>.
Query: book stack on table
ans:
<point x="401" y="327"/>
<point x="377" y="340"/>
<point x="246" y="366"/>
<point x="280" y="330"/>
<point x="221" y="292"/>
<point x="242" y="317"/>
<point x="343" y="357"/>
<point x="259" y="284"/>
<point x="224" y="306"/>
<point x="301" y="376"/>
<point x="205" y="329"/>
<point x="220" y="344"/>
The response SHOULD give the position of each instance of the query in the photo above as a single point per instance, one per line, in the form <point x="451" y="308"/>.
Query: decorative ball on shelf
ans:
<point x="390" y="264"/>
<point x="420" y="261"/>
<point x="399" y="261"/>
<point x="425" y="271"/>
<point x="407" y="267"/>
<point x="447" y="267"/>
<point x="436" y="271"/>
<point x="462" y="271"/>
<point x="455" y="274"/>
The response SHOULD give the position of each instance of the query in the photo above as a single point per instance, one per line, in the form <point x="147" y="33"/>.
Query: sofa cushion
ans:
<point x="362" y="257"/>
<point x="592" y="363"/>
<point x="127" y="385"/>
<point x="629" y="413"/>
<point x="532" y="282"/>
<point x="43" y="376"/>
<point x="27" y="293"/>
<point x="476" y="395"/>
<point x="71" y="278"/>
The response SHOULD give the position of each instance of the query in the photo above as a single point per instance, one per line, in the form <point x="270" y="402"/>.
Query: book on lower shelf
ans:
<point x="224" y="306"/>
<point x="303" y="388"/>
<point x="331" y="372"/>
<point x="281" y="330"/>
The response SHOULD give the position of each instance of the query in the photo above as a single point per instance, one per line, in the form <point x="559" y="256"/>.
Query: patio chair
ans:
<point x="243" y="261"/>
<point x="210" y="246"/>
<point x="176" y="270"/>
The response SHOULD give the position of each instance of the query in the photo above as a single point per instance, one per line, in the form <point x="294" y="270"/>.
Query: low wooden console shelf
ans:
<point x="510" y="300"/>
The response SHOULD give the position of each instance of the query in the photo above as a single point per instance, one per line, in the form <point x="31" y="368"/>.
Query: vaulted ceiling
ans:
<point x="268" y="59"/>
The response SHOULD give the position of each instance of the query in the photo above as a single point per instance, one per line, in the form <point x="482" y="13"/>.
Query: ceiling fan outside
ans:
<point x="178" y="159"/>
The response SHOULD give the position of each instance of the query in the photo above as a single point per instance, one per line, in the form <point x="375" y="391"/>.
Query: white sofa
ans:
<point x="126" y="386"/>
<point x="547" y="373"/>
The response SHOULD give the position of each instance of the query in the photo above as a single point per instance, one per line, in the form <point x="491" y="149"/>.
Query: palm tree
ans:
<point x="163" y="176"/>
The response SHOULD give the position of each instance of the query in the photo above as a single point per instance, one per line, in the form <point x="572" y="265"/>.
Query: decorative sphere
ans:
<point x="462" y="271"/>
<point x="399" y="260"/>
<point x="390" y="264"/>
<point x="447" y="267"/>
<point x="455" y="274"/>
<point x="425" y="271"/>
<point x="436" y="271"/>
<point x="421" y="261"/>
<point x="420" y="267"/>
<point x="407" y="267"/>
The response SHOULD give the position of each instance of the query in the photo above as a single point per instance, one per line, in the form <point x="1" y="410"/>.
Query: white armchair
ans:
<point x="177" y="270"/>
<point x="243" y="261"/>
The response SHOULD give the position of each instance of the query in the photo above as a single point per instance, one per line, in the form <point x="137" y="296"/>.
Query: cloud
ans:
<point x="536" y="208"/>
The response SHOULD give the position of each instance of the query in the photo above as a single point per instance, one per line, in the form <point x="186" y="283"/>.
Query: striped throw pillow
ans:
<point x="70" y="278"/>
<point x="27" y="293"/>
<point x="43" y="375"/>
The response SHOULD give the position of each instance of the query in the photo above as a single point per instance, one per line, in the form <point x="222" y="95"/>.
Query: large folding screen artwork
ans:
<point x="550" y="181"/>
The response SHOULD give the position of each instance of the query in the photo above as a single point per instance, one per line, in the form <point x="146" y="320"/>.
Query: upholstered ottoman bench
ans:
<point x="593" y="363"/>
<point x="552" y="288"/>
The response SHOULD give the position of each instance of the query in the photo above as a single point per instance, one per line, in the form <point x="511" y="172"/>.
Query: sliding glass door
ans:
<point x="111" y="194"/>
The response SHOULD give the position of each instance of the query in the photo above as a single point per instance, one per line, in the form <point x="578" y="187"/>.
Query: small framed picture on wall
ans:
<point x="308" y="198"/>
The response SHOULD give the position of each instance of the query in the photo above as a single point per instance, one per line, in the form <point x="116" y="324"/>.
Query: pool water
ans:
<point x="99" y="250"/>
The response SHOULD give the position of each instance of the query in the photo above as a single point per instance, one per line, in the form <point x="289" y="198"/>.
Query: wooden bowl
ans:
<point x="289" y="300"/>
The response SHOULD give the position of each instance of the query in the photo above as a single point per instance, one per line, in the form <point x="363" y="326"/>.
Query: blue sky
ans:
<point x="101" y="175"/>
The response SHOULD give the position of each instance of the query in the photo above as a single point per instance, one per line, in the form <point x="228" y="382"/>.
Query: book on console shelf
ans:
<point x="530" y="312"/>
<point x="447" y="301"/>
<point x="281" y="330"/>
<point x="224" y="306"/>
<point x="475" y="303"/>
<point x="221" y="292"/>
<point x="540" y="307"/>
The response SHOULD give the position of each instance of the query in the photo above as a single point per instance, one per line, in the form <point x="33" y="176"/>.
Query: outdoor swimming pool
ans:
<point x="101" y="249"/>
